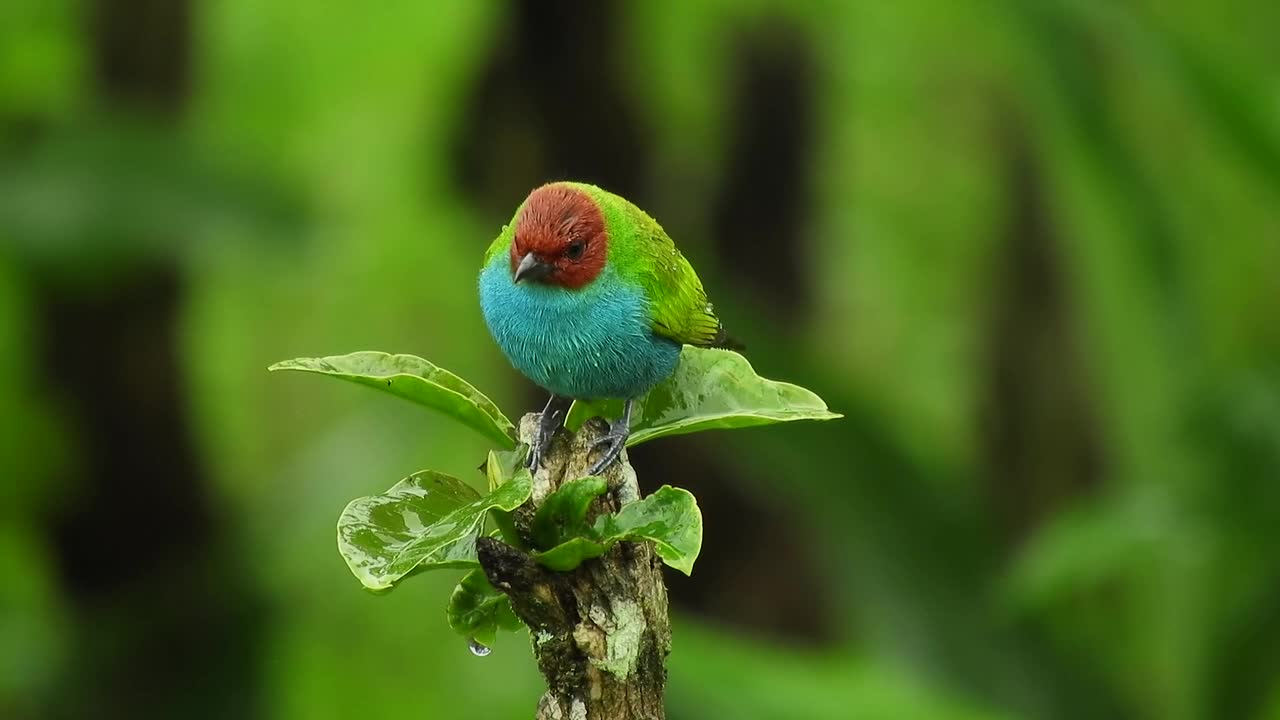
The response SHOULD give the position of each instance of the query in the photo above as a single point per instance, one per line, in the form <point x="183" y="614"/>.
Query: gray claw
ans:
<point x="550" y="420"/>
<point x="614" y="440"/>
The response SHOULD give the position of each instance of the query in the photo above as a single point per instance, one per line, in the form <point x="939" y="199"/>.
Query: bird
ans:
<point x="587" y="296"/>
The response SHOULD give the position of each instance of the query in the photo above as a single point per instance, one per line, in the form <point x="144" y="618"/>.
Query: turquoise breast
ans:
<point x="594" y="342"/>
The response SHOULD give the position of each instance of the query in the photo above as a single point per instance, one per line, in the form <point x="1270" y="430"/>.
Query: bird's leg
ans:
<point x="549" y="422"/>
<point x="614" y="440"/>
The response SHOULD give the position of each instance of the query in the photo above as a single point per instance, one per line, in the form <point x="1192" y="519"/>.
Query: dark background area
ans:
<point x="1031" y="250"/>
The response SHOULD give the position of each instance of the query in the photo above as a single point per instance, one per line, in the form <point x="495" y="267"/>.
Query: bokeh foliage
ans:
<point x="1028" y="248"/>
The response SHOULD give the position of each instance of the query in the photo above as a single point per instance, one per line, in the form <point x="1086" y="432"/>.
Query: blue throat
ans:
<point x="590" y="343"/>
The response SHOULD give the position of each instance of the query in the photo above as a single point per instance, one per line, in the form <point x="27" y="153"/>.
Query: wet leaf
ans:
<point x="417" y="381"/>
<point x="669" y="518"/>
<point x="427" y="521"/>
<point x="710" y="389"/>
<point x="478" y="610"/>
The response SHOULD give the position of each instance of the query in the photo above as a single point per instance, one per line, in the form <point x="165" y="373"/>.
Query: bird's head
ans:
<point x="560" y="238"/>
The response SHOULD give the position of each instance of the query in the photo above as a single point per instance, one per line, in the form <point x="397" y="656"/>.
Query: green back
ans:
<point x="641" y="253"/>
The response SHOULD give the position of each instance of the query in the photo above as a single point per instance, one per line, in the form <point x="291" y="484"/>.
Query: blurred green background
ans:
<point x="1030" y="249"/>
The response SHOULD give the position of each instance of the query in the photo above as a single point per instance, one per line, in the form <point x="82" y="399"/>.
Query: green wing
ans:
<point x="679" y="308"/>
<point x="502" y="243"/>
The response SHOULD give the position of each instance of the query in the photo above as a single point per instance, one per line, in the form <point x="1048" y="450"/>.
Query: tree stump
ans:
<point x="600" y="632"/>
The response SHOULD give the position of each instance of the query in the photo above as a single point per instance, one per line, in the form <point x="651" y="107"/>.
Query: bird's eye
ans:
<point x="574" y="251"/>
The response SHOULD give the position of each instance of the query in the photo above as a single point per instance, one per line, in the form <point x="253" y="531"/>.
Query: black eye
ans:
<point x="574" y="251"/>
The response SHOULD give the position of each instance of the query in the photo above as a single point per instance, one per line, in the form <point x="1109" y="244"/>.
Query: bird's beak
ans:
<point x="531" y="268"/>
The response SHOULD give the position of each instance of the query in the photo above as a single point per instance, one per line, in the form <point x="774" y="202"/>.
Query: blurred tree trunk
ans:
<point x="760" y="233"/>
<point x="761" y="212"/>
<point x="1040" y="443"/>
<point x="550" y="104"/>
<point x="164" y="625"/>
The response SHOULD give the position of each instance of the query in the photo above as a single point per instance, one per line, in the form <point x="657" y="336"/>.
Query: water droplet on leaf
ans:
<point x="477" y="648"/>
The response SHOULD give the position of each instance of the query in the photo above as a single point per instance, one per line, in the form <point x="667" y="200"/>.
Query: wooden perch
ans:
<point x="600" y="632"/>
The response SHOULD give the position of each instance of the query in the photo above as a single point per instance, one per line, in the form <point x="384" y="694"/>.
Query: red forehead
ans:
<point x="556" y="215"/>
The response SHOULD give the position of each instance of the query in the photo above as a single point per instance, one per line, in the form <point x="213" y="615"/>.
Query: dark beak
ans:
<point x="531" y="268"/>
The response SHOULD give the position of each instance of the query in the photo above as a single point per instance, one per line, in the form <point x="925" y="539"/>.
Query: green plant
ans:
<point x="432" y="521"/>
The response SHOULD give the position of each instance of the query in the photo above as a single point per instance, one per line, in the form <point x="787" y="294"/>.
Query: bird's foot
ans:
<point x="613" y="441"/>
<point x="549" y="422"/>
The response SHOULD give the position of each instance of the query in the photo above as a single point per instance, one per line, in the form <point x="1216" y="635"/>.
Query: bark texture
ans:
<point x="600" y="633"/>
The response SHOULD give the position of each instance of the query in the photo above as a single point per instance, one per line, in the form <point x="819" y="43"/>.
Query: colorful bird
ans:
<point x="589" y="298"/>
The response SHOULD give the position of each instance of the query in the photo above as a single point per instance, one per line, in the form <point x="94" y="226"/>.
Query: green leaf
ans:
<point x="669" y="518"/>
<point x="427" y="521"/>
<point x="499" y="467"/>
<point x="418" y="381"/>
<point x="571" y="553"/>
<point x="478" y="610"/>
<point x="710" y="389"/>
<point x="563" y="514"/>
